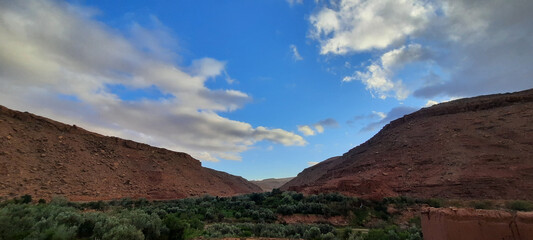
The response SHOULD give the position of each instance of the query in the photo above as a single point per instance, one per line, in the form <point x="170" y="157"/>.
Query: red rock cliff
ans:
<point x="43" y="158"/>
<point x="470" y="148"/>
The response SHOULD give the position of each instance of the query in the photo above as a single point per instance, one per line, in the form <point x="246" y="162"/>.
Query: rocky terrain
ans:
<point x="270" y="183"/>
<point x="474" y="148"/>
<point x="43" y="158"/>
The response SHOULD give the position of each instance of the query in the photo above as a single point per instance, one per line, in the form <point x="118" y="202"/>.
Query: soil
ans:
<point x="44" y="158"/>
<point x="473" y="148"/>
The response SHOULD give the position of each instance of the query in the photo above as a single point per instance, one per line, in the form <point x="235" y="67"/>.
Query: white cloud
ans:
<point x="306" y="130"/>
<point x="312" y="163"/>
<point x="430" y="103"/>
<point x="318" y="126"/>
<point x="51" y="49"/>
<point x="358" y="25"/>
<point x="477" y="47"/>
<point x="379" y="76"/>
<point x="381" y="115"/>
<point x="295" y="54"/>
<point x="393" y="114"/>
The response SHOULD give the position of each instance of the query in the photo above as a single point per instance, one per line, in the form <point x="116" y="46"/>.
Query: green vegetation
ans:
<point x="251" y="215"/>
<point x="520" y="205"/>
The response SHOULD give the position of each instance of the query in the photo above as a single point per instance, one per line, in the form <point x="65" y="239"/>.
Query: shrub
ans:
<point x="482" y="204"/>
<point x="25" y="199"/>
<point x="520" y="205"/>
<point x="434" y="202"/>
<point x="312" y="233"/>
<point x="126" y="231"/>
<point x="176" y="227"/>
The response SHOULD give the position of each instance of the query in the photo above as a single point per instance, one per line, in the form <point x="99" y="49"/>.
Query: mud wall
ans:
<point x="471" y="224"/>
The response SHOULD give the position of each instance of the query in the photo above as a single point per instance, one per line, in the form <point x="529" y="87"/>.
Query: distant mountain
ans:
<point x="473" y="148"/>
<point x="270" y="183"/>
<point x="43" y="158"/>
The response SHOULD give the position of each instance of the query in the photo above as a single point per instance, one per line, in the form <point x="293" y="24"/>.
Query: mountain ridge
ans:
<point x="44" y="158"/>
<point x="472" y="148"/>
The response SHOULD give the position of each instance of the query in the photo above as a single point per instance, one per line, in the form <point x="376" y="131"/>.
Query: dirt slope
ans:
<point x="43" y="158"/>
<point x="270" y="183"/>
<point x="475" y="148"/>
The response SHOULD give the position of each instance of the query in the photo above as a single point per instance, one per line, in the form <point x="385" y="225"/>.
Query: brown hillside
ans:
<point x="270" y="183"/>
<point x="43" y="158"/>
<point x="475" y="148"/>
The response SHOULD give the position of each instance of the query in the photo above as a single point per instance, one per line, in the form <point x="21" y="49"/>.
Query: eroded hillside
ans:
<point x="474" y="148"/>
<point x="43" y="158"/>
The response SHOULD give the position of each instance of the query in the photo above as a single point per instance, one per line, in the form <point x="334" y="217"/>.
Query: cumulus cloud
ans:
<point x="319" y="126"/>
<point x="295" y="54"/>
<point x="393" y="114"/>
<point x="306" y="130"/>
<point x="55" y="60"/>
<point x="358" y="25"/>
<point x="469" y="47"/>
<point x="379" y="76"/>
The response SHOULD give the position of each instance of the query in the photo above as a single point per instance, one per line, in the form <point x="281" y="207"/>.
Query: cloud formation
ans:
<point x="295" y="54"/>
<point x="393" y="114"/>
<point x="57" y="61"/>
<point x="462" y="47"/>
<point x="379" y="76"/>
<point x="357" y="25"/>
<point x="319" y="126"/>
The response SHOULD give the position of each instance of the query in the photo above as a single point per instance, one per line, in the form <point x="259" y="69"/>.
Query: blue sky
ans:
<point x="258" y="89"/>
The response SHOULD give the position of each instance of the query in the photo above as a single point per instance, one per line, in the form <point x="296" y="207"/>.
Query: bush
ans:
<point x="520" y="205"/>
<point x="126" y="231"/>
<point x="482" y="204"/>
<point x="176" y="227"/>
<point x="26" y="199"/>
<point x="312" y="233"/>
<point x="434" y="202"/>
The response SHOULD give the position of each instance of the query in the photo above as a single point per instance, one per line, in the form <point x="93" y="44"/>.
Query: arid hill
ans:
<point x="43" y="158"/>
<point x="474" y="148"/>
<point x="270" y="183"/>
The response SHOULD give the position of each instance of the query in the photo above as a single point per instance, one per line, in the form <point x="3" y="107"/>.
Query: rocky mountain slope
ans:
<point x="270" y="183"/>
<point x="474" y="148"/>
<point x="43" y="158"/>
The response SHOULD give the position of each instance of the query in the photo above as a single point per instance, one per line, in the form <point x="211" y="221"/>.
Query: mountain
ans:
<point x="473" y="148"/>
<point x="43" y="158"/>
<point x="270" y="183"/>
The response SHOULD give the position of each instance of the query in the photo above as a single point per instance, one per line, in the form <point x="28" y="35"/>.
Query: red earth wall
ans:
<point x="471" y="224"/>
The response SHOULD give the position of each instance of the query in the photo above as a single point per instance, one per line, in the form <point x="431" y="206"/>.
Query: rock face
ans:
<point x="270" y="183"/>
<point x="470" y="224"/>
<point x="43" y="158"/>
<point x="474" y="148"/>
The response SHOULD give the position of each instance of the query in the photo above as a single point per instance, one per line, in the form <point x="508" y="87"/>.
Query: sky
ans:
<point x="260" y="89"/>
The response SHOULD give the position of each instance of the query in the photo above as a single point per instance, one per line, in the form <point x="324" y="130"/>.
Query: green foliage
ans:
<point x="251" y="215"/>
<point x="433" y="202"/>
<point x="26" y="198"/>
<point x="520" y="205"/>
<point x="125" y="231"/>
<point x="485" y="204"/>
